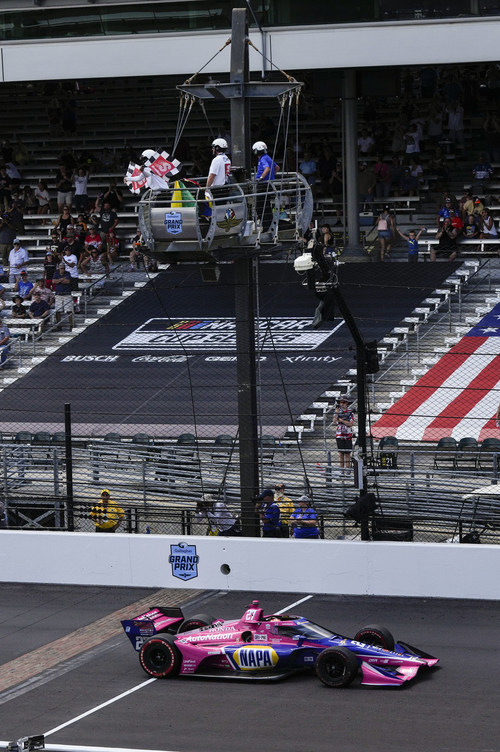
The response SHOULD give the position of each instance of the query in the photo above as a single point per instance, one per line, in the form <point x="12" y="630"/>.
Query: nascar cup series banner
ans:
<point x="165" y="358"/>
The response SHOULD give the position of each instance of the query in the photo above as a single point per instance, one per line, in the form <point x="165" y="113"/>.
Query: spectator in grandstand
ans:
<point x="366" y="186"/>
<point x="20" y="153"/>
<point x="408" y="185"/>
<point x="80" y="182"/>
<point x="93" y="240"/>
<point x="80" y="228"/>
<point x="412" y="239"/>
<point x="5" y="189"/>
<point x="73" y="241"/>
<point x="447" y="245"/>
<point x="456" y="222"/>
<point x="487" y="228"/>
<point x="64" y="221"/>
<point x="286" y="507"/>
<point x="471" y="229"/>
<point x="412" y="138"/>
<point x="39" y="309"/>
<point x="482" y="172"/>
<point x="45" y="292"/>
<point x="108" y="219"/>
<point x="383" y="178"/>
<point x="304" y="520"/>
<point x="309" y="169"/>
<point x="94" y="263"/>
<point x="435" y="122"/>
<point x="63" y="301"/>
<point x="112" y="246"/>
<point x="18" y="260"/>
<point x="43" y="198"/>
<point x="396" y="173"/>
<point x="106" y="514"/>
<point x="455" y="113"/>
<point x="64" y="186"/>
<point x="29" y="200"/>
<point x="219" y="518"/>
<point x="114" y="197"/>
<point x="336" y="190"/>
<point x="7" y="235"/>
<point x="16" y="218"/>
<point x="49" y="267"/>
<point x="4" y="343"/>
<point x="343" y="420"/>
<point x="23" y="286"/>
<point x="385" y="231"/>
<point x="444" y="211"/>
<point x="326" y="166"/>
<point x="269" y="514"/>
<point x="70" y="261"/>
<point x="18" y="311"/>
<point x="136" y="254"/>
<point x="366" y="143"/>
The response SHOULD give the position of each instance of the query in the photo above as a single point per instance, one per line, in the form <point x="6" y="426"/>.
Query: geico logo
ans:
<point x="251" y="658"/>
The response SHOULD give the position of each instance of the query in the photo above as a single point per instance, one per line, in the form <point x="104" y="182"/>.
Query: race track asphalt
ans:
<point x="451" y="708"/>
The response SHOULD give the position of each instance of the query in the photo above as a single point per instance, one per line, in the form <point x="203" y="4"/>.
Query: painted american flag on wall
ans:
<point x="458" y="396"/>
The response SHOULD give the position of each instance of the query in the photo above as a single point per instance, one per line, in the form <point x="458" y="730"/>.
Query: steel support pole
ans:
<point x="349" y="101"/>
<point x="69" y="466"/>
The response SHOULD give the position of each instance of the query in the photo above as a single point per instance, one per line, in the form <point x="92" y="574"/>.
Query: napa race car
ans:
<point x="259" y="646"/>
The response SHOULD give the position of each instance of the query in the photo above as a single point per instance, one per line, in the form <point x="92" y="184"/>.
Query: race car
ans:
<point x="272" y="646"/>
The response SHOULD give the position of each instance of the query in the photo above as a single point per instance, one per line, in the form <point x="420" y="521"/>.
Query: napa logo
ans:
<point x="254" y="657"/>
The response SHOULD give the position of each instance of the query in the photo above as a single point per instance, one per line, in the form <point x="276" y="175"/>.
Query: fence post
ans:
<point x="55" y="464"/>
<point x="328" y="470"/>
<point x="69" y="466"/>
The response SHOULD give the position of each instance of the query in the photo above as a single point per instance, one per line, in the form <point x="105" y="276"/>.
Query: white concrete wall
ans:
<point x="348" y="45"/>
<point x="257" y="565"/>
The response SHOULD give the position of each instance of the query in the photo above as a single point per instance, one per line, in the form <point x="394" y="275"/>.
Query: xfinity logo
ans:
<point x="205" y="334"/>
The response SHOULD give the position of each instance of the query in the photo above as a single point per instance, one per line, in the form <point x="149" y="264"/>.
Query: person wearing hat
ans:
<point x="304" y="521"/>
<point x="444" y="211"/>
<point x="269" y="514"/>
<point x="219" y="518"/>
<point x="39" y="309"/>
<point x="23" y="286"/>
<point x="286" y="507"/>
<point x="343" y="418"/>
<point x="18" y="260"/>
<point x="107" y="515"/>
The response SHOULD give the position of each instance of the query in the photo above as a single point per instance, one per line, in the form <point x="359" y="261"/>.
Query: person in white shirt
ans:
<point x="80" y="197"/>
<point x="220" y="166"/>
<point x="18" y="260"/>
<point x="219" y="518"/>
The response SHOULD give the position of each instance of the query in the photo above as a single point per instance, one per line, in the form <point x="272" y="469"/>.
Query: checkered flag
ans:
<point x="160" y="164"/>
<point x="135" y="178"/>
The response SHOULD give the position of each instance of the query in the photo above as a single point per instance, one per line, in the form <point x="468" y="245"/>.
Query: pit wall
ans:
<point x="257" y="565"/>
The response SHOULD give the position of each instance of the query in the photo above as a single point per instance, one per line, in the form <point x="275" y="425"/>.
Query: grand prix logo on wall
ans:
<point x="184" y="561"/>
<point x="205" y="334"/>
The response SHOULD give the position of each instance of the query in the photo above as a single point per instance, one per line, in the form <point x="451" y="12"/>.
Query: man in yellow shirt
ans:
<point x="107" y="516"/>
<point x="286" y="507"/>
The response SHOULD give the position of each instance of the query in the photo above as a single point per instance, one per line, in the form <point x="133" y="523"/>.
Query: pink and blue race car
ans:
<point x="272" y="646"/>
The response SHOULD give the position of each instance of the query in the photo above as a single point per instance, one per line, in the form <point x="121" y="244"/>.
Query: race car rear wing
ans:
<point x="157" y="619"/>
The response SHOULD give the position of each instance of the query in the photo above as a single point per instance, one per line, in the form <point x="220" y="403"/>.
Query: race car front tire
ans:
<point x="337" y="667"/>
<point x="160" y="657"/>
<point x="195" y="622"/>
<point x="374" y="635"/>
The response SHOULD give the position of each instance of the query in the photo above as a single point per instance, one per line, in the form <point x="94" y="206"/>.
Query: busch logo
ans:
<point x="184" y="561"/>
<point x="173" y="222"/>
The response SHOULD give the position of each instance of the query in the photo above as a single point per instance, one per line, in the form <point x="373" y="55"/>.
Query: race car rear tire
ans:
<point x="337" y="667"/>
<point x="195" y="622"/>
<point x="375" y="635"/>
<point x="160" y="657"/>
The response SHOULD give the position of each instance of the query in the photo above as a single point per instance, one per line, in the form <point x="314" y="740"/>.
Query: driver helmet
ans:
<point x="147" y="154"/>
<point x="259" y="146"/>
<point x="220" y="143"/>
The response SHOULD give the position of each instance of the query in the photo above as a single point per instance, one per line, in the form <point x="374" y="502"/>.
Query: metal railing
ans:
<point x="159" y="485"/>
